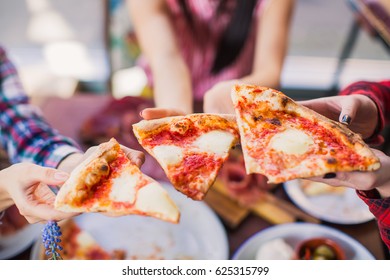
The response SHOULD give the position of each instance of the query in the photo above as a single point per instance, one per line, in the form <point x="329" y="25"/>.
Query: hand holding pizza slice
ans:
<point x="284" y="140"/>
<point x="191" y="149"/>
<point x="107" y="181"/>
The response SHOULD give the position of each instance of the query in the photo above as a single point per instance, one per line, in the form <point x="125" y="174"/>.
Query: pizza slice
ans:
<point x="312" y="188"/>
<point x="191" y="149"/>
<point x="284" y="140"/>
<point x="78" y="244"/>
<point x="108" y="182"/>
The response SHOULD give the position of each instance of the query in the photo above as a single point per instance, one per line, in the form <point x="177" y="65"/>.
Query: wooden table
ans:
<point x="68" y="115"/>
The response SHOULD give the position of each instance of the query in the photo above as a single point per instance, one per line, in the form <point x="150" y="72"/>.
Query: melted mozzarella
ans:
<point x="218" y="142"/>
<point x="153" y="198"/>
<point x="292" y="141"/>
<point x="168" y="155"/>
<point x="123" y="188"/>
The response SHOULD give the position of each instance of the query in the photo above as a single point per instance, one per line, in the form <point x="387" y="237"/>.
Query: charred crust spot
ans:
<point x="331" y="161"/>
<point x="284" y="101"/>
<point x="257" y="118"/>
<point x="181" y="126"/>
<point x="104" y="167"/>
<point x="274" y="121"/>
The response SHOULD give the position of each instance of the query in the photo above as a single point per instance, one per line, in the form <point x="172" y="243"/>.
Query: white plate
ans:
<point x="346" y="208"/>
<point x="294" y="233"/>
<point x="199" y="235"/>
<point x="16" y="243"/>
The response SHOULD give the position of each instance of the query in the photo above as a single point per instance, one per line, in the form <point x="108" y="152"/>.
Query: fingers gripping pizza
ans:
<point x="284" y="140"/>
<point x="191" y="149"/>
<point x="108" y="182"/>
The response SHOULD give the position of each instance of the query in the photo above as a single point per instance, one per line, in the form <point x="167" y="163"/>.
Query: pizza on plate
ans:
<point x="191" y="149"/>
<point x="312" y="188"/>
<point x="78" y="244"/>
<point x="108" y="182"/>
<point x="284" y="140"/>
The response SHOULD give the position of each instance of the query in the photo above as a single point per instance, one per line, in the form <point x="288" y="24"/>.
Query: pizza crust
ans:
<point x="258" y="109"/>
<point x="191" y="149"/>
<point x="121" y="192"/>
<point x="151" y="125"/>
<point x="80" y="173"/>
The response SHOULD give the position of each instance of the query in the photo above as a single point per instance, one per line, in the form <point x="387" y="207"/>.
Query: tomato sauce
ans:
<point x="166" y="134"/>
<point x="168" y="137"/>
<point x="101" y="191"/>
<point x="328" y="145"/>
<point x="193" y="168"/>
<point x="97" y="253"/>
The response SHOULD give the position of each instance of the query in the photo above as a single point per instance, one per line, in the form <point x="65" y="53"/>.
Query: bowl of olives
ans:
<point x="319" y="248"/>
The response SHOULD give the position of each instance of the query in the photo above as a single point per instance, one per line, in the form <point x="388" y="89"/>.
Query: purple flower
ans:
<point x="51" y="234"/>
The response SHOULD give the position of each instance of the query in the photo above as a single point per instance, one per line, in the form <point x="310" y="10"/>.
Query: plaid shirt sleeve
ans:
<point x="24" y="134"/>
<point x="380" y="208"/>
<point x="379" y="92"/>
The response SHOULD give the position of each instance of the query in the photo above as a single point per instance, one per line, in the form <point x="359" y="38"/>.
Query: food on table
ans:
<point x="276" y="249"/>
<point x="320" y="248"/>
<point x="191" y="149"/>
<point x="324" y="252"/>
<point x="284" y="140"/>
<point x="108" y="182"/>
<point x="311" y="188"/>
<point x="78" y="244"/>
<point x="11" y="221"/>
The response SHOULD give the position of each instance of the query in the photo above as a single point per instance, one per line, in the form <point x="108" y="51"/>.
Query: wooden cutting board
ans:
<point x="269" y="207"/>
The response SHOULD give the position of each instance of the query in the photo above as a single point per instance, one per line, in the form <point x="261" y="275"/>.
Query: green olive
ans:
<point x="319" y="257"/>
<point x="324" y="251"/>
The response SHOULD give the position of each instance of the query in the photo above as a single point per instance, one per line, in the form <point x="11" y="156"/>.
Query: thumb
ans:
<point x="158" y="113"/>
<point x="348" y="110"/>
<point x="136" y="157"/>
<point x="38" y="174"/>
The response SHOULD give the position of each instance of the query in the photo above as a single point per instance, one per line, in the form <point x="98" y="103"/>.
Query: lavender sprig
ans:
<point x="51" y="234"/>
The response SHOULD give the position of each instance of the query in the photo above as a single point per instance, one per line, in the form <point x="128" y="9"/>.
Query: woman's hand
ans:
<point x="218" y="100"/>
<point x="158" y="113"/>
<point x="358" y="111"/>
<point x="27" y="186"/>
<point x="364" y="181"/>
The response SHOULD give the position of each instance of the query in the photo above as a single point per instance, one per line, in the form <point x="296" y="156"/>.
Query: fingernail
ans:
<point x="61" y="176"/>
<point x="140" y="113"/>
<point x="346" y="119"/>
<point x="329" y="175"/>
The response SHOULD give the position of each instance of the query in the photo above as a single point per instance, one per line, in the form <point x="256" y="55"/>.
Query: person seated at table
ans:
<point x="365" y="107"/>
<point x="196" y="50"/>
<point x="28" y="138"/>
